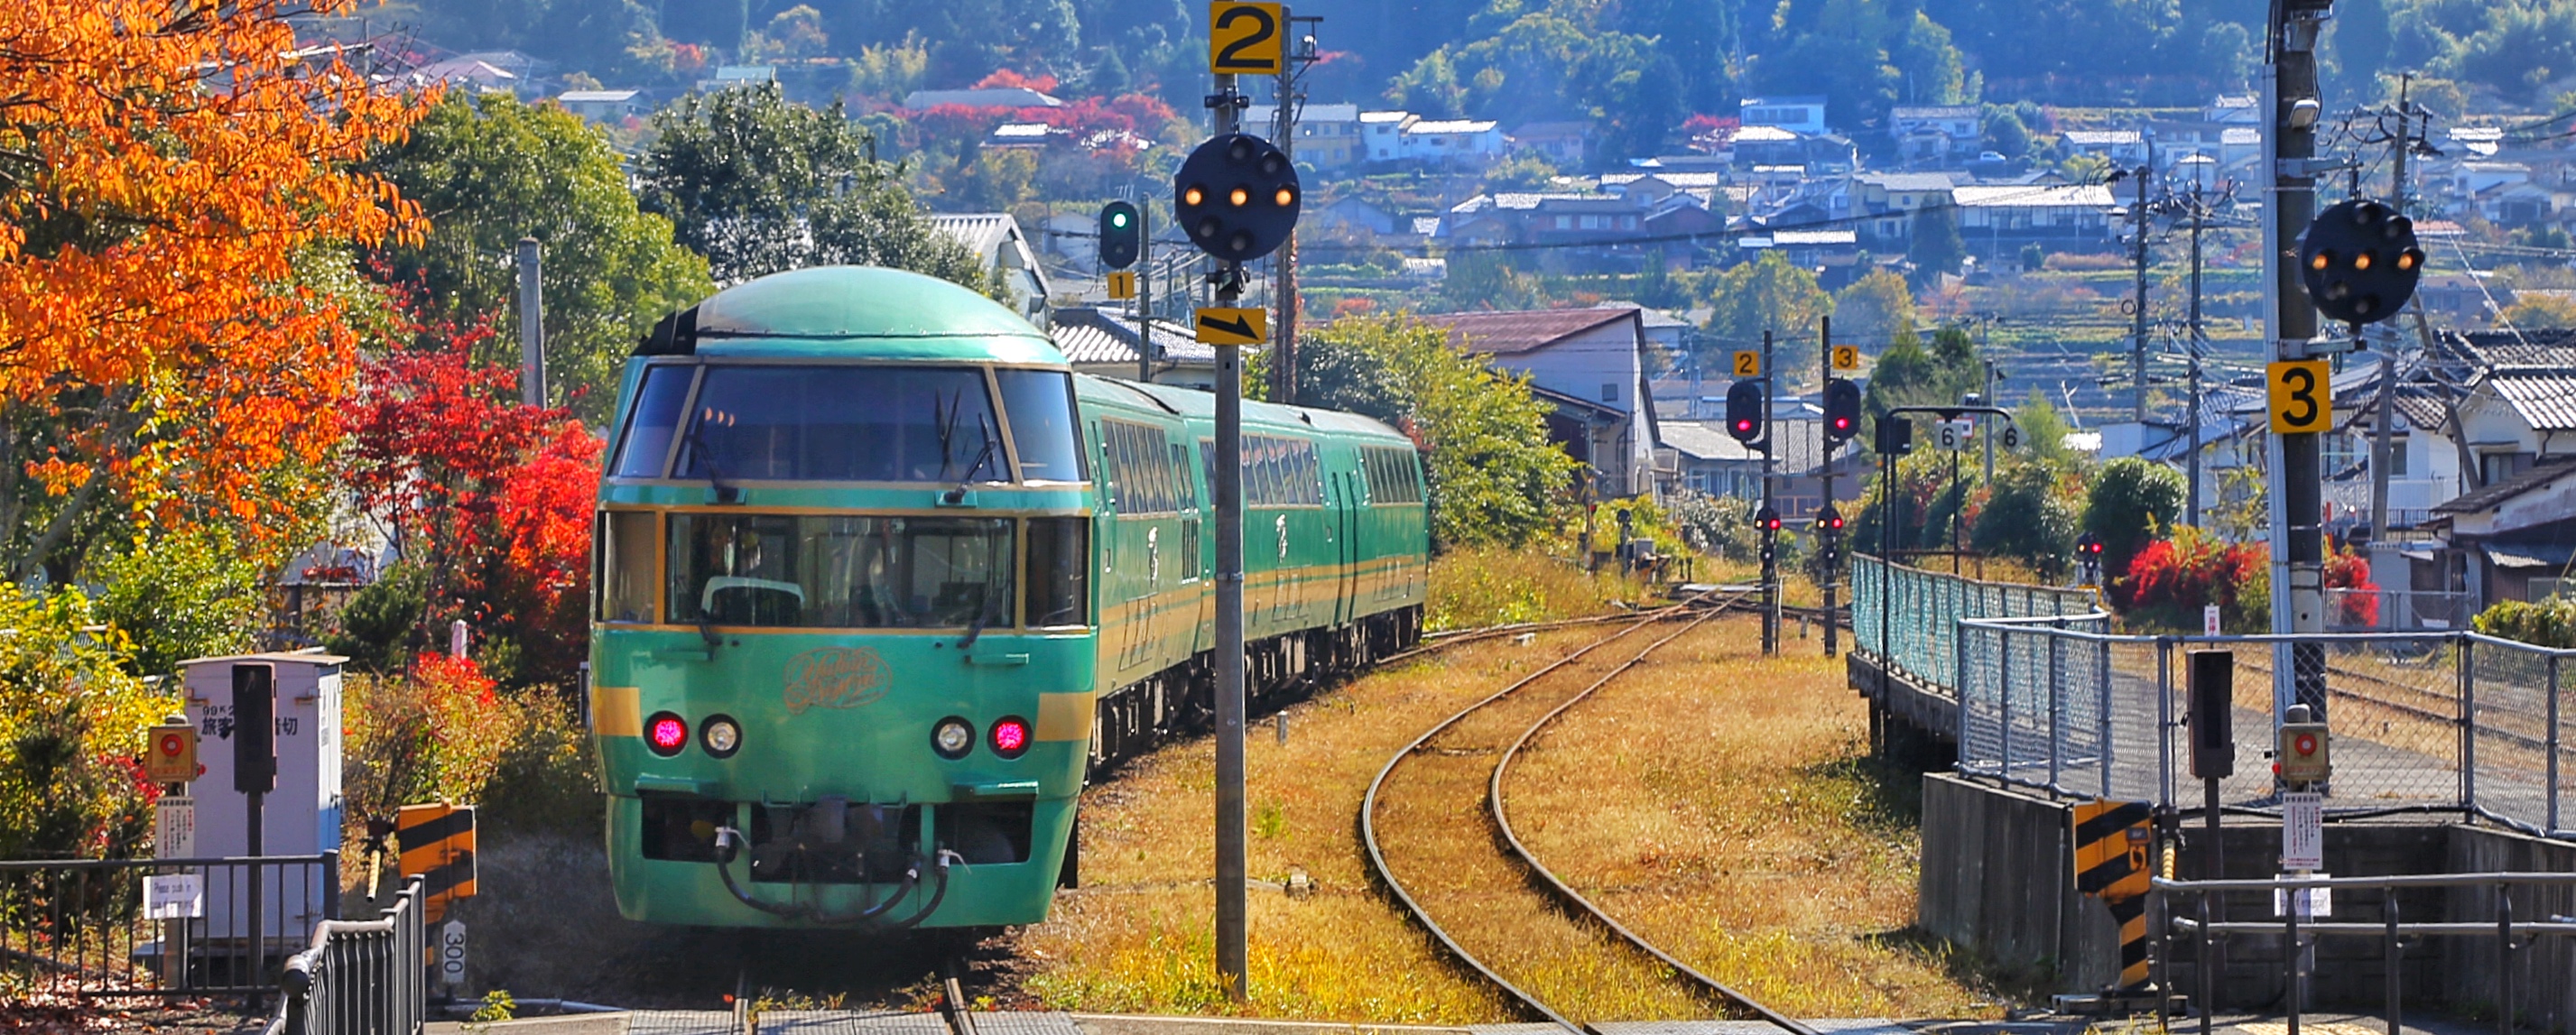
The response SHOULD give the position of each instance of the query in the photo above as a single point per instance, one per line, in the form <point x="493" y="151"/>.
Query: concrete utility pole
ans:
<point x="2138" y="323"/>
<point x="2297" y="504"/>
<point x="532" y="327"/>
<point x="1283" y="345"/>
<point x="2191" y="346"/>
<point x="1232" y="957"/>
<point x="1145" y="292"/>
<point x="2382" y="433"/>
<point x="1770" y="545"/>
<point x="1827" y="538"/>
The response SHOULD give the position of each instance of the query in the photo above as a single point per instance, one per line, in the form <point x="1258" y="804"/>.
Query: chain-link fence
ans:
<point x="2049" y="697"/>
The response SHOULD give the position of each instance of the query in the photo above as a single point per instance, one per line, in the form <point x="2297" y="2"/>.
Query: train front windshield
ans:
<point x="851" y="423"/>
<point x="841" y="572"/>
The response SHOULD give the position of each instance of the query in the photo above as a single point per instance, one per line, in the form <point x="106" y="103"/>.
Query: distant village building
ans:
<point x="995" y="238"/>
<point x="489" y="71"/>
<point x="1997" y="221"/>
<point x="990" y="97"/>
<point x="1804" y="115"/>
<point x="2126" y="148"/>
<point x="1103" y="341"/>
<point x="1382" y="134"/>
<point x="728" y="77"/>
<point x="1936" y="133"/>
<point x="1028" y="136"/>
<point x="1564" y="144"/>
<point x="1590" y="364"/>
<point x="1328" y="135"/>
<point x="1452" y="142"/>
<point x="609" y="106"/>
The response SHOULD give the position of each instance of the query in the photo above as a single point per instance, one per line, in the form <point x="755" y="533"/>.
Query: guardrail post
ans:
<point x="2504" y="959"/>
<point x="2164" y="716"/>
<point x="2206" y="964"/>
<point x="2056" y="717"/>
<point x="2291" y="985"/>
<point x="2003" y="702"/>
<point x="2102" y="713"/>
<point x="2395" y="950"/>
<point x="331" y="884"/>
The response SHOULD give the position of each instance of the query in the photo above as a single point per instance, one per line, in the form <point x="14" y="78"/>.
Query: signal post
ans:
<point x="1236" y="197"/>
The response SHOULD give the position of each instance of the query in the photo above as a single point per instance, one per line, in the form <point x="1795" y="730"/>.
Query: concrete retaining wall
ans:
<point x="2544" y="972"/>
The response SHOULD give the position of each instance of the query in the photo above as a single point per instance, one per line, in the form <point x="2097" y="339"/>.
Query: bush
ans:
<point x="2548" y="623"/>
<point x="440" y="732"/>
<point x="2131" y="499"/>
<point x="2029" y="517"/>
<point x="1717" y="525"/>
<point x="181" y="595"/>
<point x="1475" y="586"/>
<point x="2172" y="579"/>
<point x="72" y="720"/>
<point x="2349" y="570"/>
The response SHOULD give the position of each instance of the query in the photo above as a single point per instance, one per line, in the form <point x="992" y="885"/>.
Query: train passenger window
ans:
<point x="647" y="442"/>
<point x="824" y="571"/>
<point x="843" y="423"/>
<point x="1059" y="584"/>
<point x="1181" y="476"/>
<point x="1039" y="405"/>
<point x="625" y="574"/>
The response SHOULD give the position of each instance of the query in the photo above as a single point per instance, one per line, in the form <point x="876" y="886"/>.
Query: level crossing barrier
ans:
<point x="2434" y="720"/>
<point x="106" y="928"/>
<point x="360" y="977"/>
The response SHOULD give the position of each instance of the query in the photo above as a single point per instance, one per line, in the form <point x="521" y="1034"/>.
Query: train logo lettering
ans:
<point x="834" y="677"/>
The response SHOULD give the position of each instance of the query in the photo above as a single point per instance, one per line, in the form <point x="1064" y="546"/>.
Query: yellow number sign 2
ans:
<point x="2302" y="393"/>
<point x="1245" y="38"/>
<point x="1748" y="363"/>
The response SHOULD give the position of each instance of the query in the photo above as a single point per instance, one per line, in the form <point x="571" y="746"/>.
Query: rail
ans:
<point x="2431" y="720"/>
<point x="2298" y="931"/>
<point x="107" y="928"/>
<point x="360" y="977"/>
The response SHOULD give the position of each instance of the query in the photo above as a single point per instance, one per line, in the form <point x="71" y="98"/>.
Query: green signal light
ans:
<point x="1118" y="220"/>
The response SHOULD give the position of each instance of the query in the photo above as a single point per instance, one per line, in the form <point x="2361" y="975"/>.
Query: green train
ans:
<point x="879" y="583"/>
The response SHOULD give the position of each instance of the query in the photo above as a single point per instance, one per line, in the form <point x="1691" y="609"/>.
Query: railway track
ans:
<point x="1457" y="767"/>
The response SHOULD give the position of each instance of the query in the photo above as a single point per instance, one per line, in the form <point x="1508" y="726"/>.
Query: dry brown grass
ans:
<point x="1720" y="805"/>
<point x="1755" y="852"/>
<point x="1479" y="586"/>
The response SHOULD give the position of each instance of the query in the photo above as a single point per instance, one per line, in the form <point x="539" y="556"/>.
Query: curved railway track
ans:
<point x="1470" y="734"/>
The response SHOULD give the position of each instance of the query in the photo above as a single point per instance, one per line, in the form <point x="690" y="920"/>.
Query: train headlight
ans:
<point x="1011" y="737"/>
<point x="665" y="734"/>
<point x="953" y="737"/>
<point x="721" y="736"/>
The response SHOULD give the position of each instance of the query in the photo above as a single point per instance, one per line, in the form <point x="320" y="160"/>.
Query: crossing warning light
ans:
<point x="1744" y="410"/>
<point x="1842" y="410"/>
<point x="2359" y="261"/>
<point x="1121" y="235"/>
<point x="171" y="752"/>
<point x="2305" y="753"/>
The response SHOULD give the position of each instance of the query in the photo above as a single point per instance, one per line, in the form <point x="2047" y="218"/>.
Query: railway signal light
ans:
<point x="2360" y="262"/>
<point x="1122" y="235"/>
<point x="2088" y="556"/>
<point x="1829" y="519"/>
<point x="1842" y="410"/>
<point x="1237" y="197"/>
<point x="1744" y="410"/>
<point x="1766" y="519"/>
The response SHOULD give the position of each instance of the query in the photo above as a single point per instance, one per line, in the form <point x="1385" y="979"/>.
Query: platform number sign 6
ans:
<point x="2302" y="396"/>
<point x="1244" y="38"/>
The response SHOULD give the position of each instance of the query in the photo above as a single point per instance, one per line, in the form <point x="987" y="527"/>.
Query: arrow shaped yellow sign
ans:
<point x="1233" y="326"/>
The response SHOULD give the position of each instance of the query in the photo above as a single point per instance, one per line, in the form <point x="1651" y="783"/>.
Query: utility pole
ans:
<point x="1145" y="293"/>
<point x="532" y="326"/>
<point x="2297" y="504"/>
<point x="1770" y="544"/>
<point x="1283" y="346"/>
<point x="1827" y="537"/>
<point x="2191" y="346"/>
<point x="2383" y="429"/>
<point x="2138" y="323"/>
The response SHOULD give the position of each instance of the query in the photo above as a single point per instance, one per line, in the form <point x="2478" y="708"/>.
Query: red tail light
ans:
<point x="1010" y="737"/>
<point x="666" y="734"/>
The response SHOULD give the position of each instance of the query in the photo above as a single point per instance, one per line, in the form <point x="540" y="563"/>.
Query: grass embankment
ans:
<point x="1749" y="829"/>
<point x="1723" y="806"/>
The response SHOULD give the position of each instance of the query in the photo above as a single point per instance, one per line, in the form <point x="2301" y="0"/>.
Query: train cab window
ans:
<point x="625" y="574"/>
<point x="1059" y="572"/>
<point x="822" y="571"/>
<point x="843" y="423"/>
<point x="647" y="442"/>
<point x="1039" y="405"/>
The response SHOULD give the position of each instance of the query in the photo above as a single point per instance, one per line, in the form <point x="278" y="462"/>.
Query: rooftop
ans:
<point x="596" y="96"/>
<point x="996" y="97"/>
<point x="1510" y="333"/>
<point x="1452" y="126"/>
<point x="2075" y="196"/>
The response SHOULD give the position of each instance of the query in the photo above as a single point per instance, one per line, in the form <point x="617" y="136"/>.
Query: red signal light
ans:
<point x="1010" y="737"/>
<point x="2305" y="743"/>
<point x="1743" y="425"/>
<point x="666" y="734"/>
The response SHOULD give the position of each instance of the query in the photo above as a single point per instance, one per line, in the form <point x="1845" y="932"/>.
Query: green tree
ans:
<point x="2005" y="132"/>
<point x="758" y="185"/>
<point x="889" y="71"/>
<point x="180" y="595"/>
<point x="488" y="171"/>
<point x="1876" y="308"/>
<point x="1494" y="475"/>
<point x="2030" y="515"/>
<point x="1935" y="247"/>
<point x="2130" y="500"/>
<point x="2044" y="430"/>
<point x="1768" y="294"/>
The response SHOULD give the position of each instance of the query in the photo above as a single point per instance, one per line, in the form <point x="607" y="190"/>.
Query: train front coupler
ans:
<point x="729" y="844"/>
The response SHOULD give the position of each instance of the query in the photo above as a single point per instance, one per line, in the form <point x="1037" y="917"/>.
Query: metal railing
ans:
<point x="360" y="977"/>
<point x="2443" y="720"/>
<point x="2298" y="930"/>
<point x="97" y="928"/>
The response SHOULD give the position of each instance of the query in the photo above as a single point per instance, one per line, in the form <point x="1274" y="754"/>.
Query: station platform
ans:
<point x="851" y="1022"/>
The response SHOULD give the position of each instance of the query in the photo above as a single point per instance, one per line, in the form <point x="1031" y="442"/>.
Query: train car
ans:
<point x="879" y="582"/>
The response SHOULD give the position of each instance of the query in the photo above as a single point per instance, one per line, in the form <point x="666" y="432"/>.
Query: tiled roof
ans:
<point x="1508" y="333"/>
<point x="1093" y="336"/>
<point x="2548" y="470"/>
<point x="2077" y="196"/>
<point x="2545" y="397"/>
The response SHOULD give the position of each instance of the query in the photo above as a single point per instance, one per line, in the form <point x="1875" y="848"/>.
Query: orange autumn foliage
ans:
<point x="163" y="168"/>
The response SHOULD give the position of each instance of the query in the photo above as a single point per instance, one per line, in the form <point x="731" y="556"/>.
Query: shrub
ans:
<point x="181" y="595"/>
<point x="2172" y="579"/>
<point x="2029" y="517"/>
<point x="72" y="719"/>
<point x="1719" y="525"/>
<point x="2130" y="500"/>
<point x="2548" y="623"/>
<point x="439" y="732"/>
<point x="2349" y="570"/>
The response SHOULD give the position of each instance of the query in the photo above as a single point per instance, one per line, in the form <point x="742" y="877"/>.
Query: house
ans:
<point x="2512" y="540"/>
<point x="2239" y="109"/>
<point x="1352" y="211"/>
<point x="2126" y="148"/>
<point x="1590" y="366"/>
<point x="989" y="97"/>
<point x="1803" y="115"/>
<point x="995" y="237"/>
<point x="1564" y="144"/>
<point x="728" y="77"/>
<point x="1103" y="341"/>
<point x="1451" y="142"/>
<point x="1328" y="135"/>
<point x="1655" y="186"/>
<point x="609" y="106"/>
<point x="1935" y="133"/>
<point x="1382" y="134"/>
<point x="480" y="73"/>
<point x="1700" y="456"/>
<point x="1996" y="221"/>
<point x="1025" y="136"/>
<point x="1893" y="199"/>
